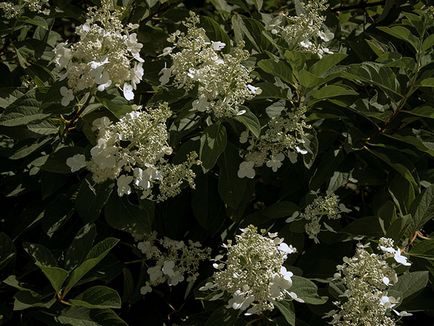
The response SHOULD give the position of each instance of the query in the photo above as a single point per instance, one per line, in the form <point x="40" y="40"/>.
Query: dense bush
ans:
<point x="217" y="162"/>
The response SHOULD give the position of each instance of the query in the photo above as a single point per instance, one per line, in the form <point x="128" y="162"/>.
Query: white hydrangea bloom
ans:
<point x="366" y="277"/>
<point x="123" y="184"/>
<point x="237" y="277"/>
<point x="322" y="206"/>
<point x="246" y="170"/>
<point x="134" y="152"/>
<point x="39" y="6"/>
<point x="67" y="95"/>
<point x="11" y="10"/>
<point x="283" y="136"/>
<point x="171" y="261"/>
<point x="76" y="162"/>
<point x="106" y="54"/>
<point x="306" y="31"/>
<point x="387" y="246"/>
<point x="222" y="81"/>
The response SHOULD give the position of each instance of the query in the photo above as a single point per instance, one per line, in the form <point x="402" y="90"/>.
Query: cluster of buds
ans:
<point x="107" y="54"/>
<point x="12" y="10"/>
<point x="285" y="135"/>
<point x="221" y="79"/>
<point x="305" y="31"/>
<point x="253" y="275"/>
<point x="366" y="278"/>
<point x="134" y="151"/>
<point x="171" y="261"/>
<point x="322" y="207"/>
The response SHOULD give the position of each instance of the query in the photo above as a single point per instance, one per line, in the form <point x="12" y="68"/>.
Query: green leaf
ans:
<point x="306" y="290"/>
<point x="115" y="104"/>
<point x="95" y="255"/>
<point x="56" y="162"/>
<point x="427" y="82"/>
<point x="28" y="149"/>
<point x="287" y="310"/>
<point x="120" y="214"/>
<point x="423" y="248"/>
<point x="329" y="91"/>
<point x="36" y="21"/>
<point x="403" y="193"/>
<point x="128" y="286"/>
<point x="368" y="225"/>
<point x="297" y="60"/>
<point x="44" y="127"/>
<point x="422" y="209"/>
<point x="399" y="227"/>
<point x="212" y="144"/>
<point x="254" y="31"/>
<point x="251" y="122"/>
<point x="311" y="145"/>
<point x="403" y="34"/>
<point x="47" y="264"/>
<point x="376" y="74"/>
<point x="12" y="281"/>
<point x="326" y="63"/>
<point x="280" y="209"/>
<point x="222" y="6"/>
<point x="80" y="246"/>
<point x="7" y="249"/>
<point x="24" y="110"/>
<point x="400" y="168"/>
<point x="207" y="209"/>
<point x="234" y="191"/>
<point x="27" y="299"/>
<point x="308" y="79"/>
<point x="222" y="316"/>
<point x="326" y="167"/>
<point x="270" y="91"/>
<point x="428" y="43"/>
<point x="258" y="4"/>
<point x="97" y="297"/>
<point x="425" y="111"/>
<point x="277" y="69"/>
<point x="81" y="316"/>
<point x="376" y="46"/>
<point x="414" y="141"/>
<point x="410" y="283"/>
<point x="215" y="32"/>
<point x="92" y="198"/>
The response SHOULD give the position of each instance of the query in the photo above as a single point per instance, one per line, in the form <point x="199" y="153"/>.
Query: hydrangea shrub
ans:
<point x="216" y="162"/>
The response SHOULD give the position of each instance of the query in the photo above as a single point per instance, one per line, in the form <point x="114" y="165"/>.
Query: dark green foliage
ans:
<point x="67" y="250"/>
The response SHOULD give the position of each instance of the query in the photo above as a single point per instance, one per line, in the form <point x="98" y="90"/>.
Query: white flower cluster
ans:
<point x="322" y="206"/>
<point x="366" y="278"/>
<point x="106" y="54"/>
<point x="306" y="31"/>
<point x="171" y="261"/>
<point x="133" y="152"/>
<point x="253" y="274"/>
<point x="12" y="10"/>
<point x="222" y="81"/>
<point x="285" y="135"/>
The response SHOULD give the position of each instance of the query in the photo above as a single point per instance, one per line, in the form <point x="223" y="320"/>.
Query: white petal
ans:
<point x="76" y="162"/>
<point x="301" y="150"/>
<point x="401" y="259"/>
<point x="217" y="46"/>
<point x="128" y="92"/>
